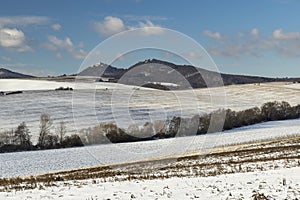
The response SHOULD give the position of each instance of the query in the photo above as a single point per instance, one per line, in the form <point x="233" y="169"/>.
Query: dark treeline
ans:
<point x="20" y="138"/>
<point x="219" y="120"/>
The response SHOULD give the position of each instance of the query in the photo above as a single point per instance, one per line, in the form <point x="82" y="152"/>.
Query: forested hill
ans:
<point x="153" y="70"/>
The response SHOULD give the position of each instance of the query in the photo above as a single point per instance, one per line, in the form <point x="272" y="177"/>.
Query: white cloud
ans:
<point x="253" y="44"/>
<point x="110" y="25"/>
<point x="22" y="20"/>
<point x="68" y="42"/>
<point x="210" y="34"/>
<point x="56" y="44"/>
<point x="254" y="32"/>
<point x="24" y="48"/>
<point x="56" y="27"/>
<point x="277" y="34"/>
<point x="13" y="38"/>
<point x="149" y="28"/>
<point x="80" y="54"/>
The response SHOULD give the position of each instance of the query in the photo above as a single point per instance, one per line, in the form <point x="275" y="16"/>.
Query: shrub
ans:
<point x="204" y="122"/>
<point x="231" y="120"/>
<point x="50" y="142"/>
<point x="72" y="141"/>
<point x="275" y="110"/>
<point x="249" y="116"/>
<point x="116" y="134"/>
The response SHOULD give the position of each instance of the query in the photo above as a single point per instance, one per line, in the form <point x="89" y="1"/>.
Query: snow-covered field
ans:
<point x="293" y="86"/>
<point x="229" y="186"/>
<point x="144" y="105"/>
<point x="122" y="104"/>
<point x="37" y="162"/>
<point x="269" y="169"/>
<point x="38" y="85"/>
<point x="22" y="84"/>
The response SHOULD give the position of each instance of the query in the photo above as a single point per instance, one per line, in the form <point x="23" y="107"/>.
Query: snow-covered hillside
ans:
<point x="35" y="85"/>
<point x="37" y="162"/>
<point x="273" y="184"/>
<point x="125" y="105"/>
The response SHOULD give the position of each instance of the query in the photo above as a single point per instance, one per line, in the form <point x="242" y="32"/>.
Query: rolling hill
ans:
<point x="184" y="76"/>
<point x="104" y="70"/>
<point x="5" y="73"/>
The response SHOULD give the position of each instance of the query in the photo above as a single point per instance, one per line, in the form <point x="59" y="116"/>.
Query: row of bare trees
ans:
<point x="20" y="138"/>
<point x="219" y="120"/>
<point x="46" y="138"/>
<point x="223" y="119"/>
<point x="59" y="139"/>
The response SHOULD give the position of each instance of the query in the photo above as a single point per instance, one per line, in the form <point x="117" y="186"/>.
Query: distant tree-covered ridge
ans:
<point x="151" y="72"/>
<point x="224" y="119"/>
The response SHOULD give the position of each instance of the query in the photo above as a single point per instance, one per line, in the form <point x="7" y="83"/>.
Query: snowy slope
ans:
<point x="125" y="105"/>
<point x="230" y="186"/>
<point x="142" y="105"/>
<point x="24" y="85"/>
<point x="293" y="86"/>
<point x="37" y="162"/>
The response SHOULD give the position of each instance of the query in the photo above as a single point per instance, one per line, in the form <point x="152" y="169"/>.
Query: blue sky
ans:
<point x="256" y="37"/>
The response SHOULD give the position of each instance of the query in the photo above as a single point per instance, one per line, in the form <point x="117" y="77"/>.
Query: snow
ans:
<point x="39" y="97"/>
<point x="122" y="104"/>
<point x="19" y="84"/>
<point x="293" y="86"/>
<point x="166" y="84"/>
<point x="229" y="186"/>
<point x="37" y="162"/>
<point x="35" y="85"/>
<point x="92" y="103"/>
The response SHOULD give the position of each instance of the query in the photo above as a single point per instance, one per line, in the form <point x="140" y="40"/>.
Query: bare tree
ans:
<point x="6" y="137"/>
<point x="45" y="126"/>
<point x="61" y="131"/>
<point x="22" y="136"/>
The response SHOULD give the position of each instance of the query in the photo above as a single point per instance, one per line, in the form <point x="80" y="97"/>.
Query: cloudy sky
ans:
<point x="256" y="37"/>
